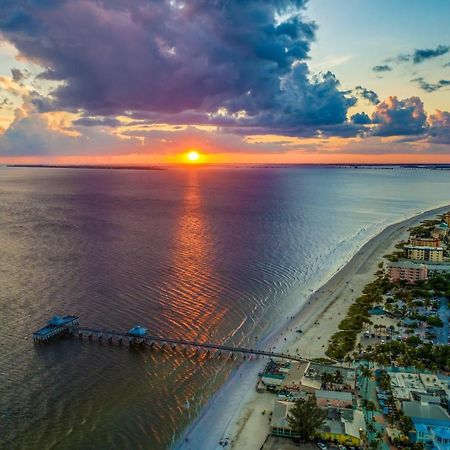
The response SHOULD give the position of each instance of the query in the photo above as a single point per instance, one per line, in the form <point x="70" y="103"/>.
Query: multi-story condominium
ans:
<point x="425" y="242"/>
<point x="432" y="254"/>
<point x="408" y="271"/>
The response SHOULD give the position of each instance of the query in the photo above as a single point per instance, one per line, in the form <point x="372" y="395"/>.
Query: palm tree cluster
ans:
<point x="328" y="379"/>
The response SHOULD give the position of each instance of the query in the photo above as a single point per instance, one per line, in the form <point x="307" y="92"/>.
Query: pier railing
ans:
<point x="72" y="328"/>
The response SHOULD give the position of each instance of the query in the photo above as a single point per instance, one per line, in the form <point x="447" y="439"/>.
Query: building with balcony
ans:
<point x="407" y="271"/>
<point x="432" y="254"/>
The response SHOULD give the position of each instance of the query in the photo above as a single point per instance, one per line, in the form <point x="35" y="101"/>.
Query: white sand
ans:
<point x="243" y="422"/>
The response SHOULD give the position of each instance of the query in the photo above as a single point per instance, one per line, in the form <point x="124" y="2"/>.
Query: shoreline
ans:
<point x="234" y="411"/>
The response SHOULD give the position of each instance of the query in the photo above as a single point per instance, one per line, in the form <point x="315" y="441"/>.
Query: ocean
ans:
<point x="210" y="254"/>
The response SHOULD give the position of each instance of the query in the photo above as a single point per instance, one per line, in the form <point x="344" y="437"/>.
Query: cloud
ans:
<point x="431" y="87"/>
<point x="367" y="94"/>
<point x="382" y="68"/>
<point x="17" y="75"/>
<point x="97" y="121"/>
<point x="32" y="134"/>
<point x="361" y="119"/>
<point x="439" y="130"/>
<point x="167" y="58"/>
<point x="395" y="117"/>
<point x="420" y="56"/>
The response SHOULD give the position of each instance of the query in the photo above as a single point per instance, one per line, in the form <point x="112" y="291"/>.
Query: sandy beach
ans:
<point x="235" y="412"/>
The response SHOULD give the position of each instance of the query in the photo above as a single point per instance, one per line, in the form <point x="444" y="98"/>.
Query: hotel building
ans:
<point x="432" y="254"/>
<point x="425" y="242"/>
<point x="408" y="271"/>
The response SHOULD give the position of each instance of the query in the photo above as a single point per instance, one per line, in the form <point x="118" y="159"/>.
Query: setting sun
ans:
<point x="193" y="156"/>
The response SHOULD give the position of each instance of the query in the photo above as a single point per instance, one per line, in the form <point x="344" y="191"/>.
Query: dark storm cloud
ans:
<point x="370" y="96"/>
<point x="395" y="117"/>
<point x="382" y="68"/>
<point x="361" y="119"/>
<point x="431" y="87"/>
<point x="177" y="59"/>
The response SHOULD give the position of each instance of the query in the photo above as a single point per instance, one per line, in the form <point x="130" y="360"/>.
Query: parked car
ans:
<point x="322" y="446"/>
<point x="342" y="447"/>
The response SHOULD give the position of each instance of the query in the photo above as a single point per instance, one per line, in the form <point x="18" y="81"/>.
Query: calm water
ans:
<point x="208" y="254"/>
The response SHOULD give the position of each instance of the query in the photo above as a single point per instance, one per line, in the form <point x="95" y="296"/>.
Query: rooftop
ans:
<point x="442" y="432"/>
<point x="54" y="323"/>
<point x="418" y="247"/>
<point x="138" y="331"/>
<point x="334" y="395"/>
<point x="425" y="411"/>
<point x="407" y="264"/>
<point x="280" y="412"/>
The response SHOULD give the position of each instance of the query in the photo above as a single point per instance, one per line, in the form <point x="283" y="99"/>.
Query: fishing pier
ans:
<point x="138" y="336"/>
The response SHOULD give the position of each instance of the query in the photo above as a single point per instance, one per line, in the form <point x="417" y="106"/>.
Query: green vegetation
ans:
<point x="329" y="379"/>
<point x="435" y="321"/>
<point x="305" y="418"/>
<point x="344" y="341"/>
<point x="412" y="353"/>
<point x="424" y="229"/>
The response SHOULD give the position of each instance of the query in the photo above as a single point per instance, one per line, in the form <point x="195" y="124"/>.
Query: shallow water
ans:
<point x="207" y="254"/>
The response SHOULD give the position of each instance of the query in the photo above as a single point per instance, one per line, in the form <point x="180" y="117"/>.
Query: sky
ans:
<point x="242" y="81"/>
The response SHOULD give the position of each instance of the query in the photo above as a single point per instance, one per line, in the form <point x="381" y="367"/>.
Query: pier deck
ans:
<point x="142" y="338"/>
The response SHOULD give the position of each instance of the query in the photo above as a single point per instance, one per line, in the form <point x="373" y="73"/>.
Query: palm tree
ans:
<point x="366" y="374"/>
<point x="370" y="406"/>
<point x="338" y="377"/>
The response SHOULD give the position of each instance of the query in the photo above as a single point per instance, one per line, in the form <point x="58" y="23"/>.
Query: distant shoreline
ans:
<point x="232" y="166"/>
<point x="105" y="167"/>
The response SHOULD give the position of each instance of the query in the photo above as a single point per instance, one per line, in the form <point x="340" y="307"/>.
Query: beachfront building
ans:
<point x="334" y="399"/>
<point x="441" y="438"/>
<point x="430" y="422"/>
<point x="440" y="231"/>
<point x="427" y="387"/>
<point x="314" y="375"/>
<point x="279" y="425"/>
<point x="407" y="271"/>
<point x="346" y="426"/>
<point x="425" y="242"/>
<point x="431" y="254"/>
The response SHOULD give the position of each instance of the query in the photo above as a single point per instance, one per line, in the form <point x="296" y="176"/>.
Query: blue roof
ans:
<point x="56" y="320"/>
<point x="54" y="323"/>
<point x="442" y="432"/>
<point x="421" y="427"/>
<point x="138" y="331"/>
<point x="443" y="225"/>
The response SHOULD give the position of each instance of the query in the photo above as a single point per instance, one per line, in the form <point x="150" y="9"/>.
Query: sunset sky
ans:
<point x="282" y="81"/>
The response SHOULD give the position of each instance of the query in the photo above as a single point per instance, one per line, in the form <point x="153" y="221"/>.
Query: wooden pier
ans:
<point x="139" y="336"/>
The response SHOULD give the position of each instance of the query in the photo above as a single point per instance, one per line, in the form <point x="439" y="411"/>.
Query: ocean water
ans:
<point x="216" y="254"/>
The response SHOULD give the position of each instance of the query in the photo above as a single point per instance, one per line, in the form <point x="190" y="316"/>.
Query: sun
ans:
<point x="193" y="156"/>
